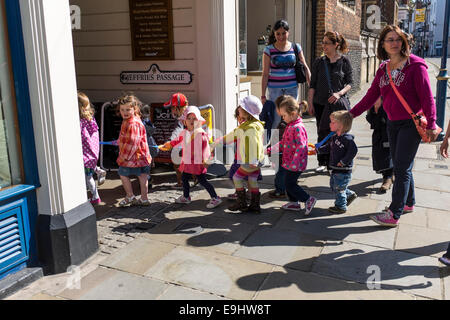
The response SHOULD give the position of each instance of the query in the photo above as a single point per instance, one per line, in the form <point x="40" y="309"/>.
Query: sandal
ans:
<point x="144" y="203"/>
<point x="128" y="201"/>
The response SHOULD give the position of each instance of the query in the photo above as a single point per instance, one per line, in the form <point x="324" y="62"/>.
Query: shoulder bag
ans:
<point x="419" y="118"/>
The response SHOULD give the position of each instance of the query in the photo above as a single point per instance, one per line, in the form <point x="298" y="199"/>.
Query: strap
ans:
<point x="399" y="96"/>
<point x="327" y="73"/>
<point x="297" y="60"/>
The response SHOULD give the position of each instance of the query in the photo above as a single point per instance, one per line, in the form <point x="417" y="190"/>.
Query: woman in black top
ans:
<point x="323" y="100"/>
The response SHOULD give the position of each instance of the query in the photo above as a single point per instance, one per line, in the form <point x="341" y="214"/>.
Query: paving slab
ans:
<point x="422" y="241"/>
<point x="393" y="270"/>
<point x="432" y="199"/>
<point x="138" y="256"/>
<point x="354" y="226"/>
<point x="431" y="181"/>
<point x="427" y="151"/>
<point x="44" y="296"/>
<point x="107" y="284"/>
<point x="287" y="284"/>
<point x="280" y="247"/>
<point x="208" y="271"/>
<point x="438" y="219"/>
<point x="417" y="218"/>
<point x="181" y="293"/>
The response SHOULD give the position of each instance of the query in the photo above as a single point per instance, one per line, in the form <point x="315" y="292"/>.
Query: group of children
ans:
<point x="292" y="151"/>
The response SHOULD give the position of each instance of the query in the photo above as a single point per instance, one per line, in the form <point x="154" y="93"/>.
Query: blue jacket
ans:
<point x="342" y="149"/>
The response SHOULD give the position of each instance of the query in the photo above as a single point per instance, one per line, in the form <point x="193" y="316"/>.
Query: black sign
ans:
<point x="155" y="76"/>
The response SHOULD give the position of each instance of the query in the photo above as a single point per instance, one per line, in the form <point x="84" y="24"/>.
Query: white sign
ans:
<point x="155" y="76"/>
<point x="402" y="14"/>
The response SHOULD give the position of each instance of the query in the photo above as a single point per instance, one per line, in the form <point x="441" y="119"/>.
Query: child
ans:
<point x="134" y="155"/>
<point x="250" y="153"/>
<point x="381" y="153"/>
<point x="195" y="154"/>
<point x="177" y="104"/>
<point x="294" y="146"/>
<point x="149" y="129"/>
<point x="90" y="144"/>
<point x="342" y="149"/>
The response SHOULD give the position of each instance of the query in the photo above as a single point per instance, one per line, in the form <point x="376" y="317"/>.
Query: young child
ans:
<point x="195" y="155"/>
<point x="294" y="146"/>
<point x="342" y="149"/>
<point x="90" y="144"/>
<point x="250" y="154"/>
<point x="177" y="104"/>
<point x="134" y="155"/>
<point x="381" y="153"/>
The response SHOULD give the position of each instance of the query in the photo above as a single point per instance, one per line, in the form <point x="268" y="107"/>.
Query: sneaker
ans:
<point x="445" y="260"/>
<point x="95" y="201"/>
<point x="277" y="194"/>
<point x="321" y="169"/>
<point x="309" y="205"/>
<point x="408" y="209"/>
<point x="336" y="210"/>
<point x="184" y="200"/>
<point x="214" y="202"/>
<point x="385" y="219"/>
<point x="293" y="206"/>
<point x="351" y="198"/>
<point x="101" y="176"/>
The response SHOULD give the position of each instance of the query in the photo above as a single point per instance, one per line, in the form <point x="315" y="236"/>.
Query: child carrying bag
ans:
<point x="419" y="118"/>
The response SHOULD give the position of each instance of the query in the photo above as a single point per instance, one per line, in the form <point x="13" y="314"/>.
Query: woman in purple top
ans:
<point x="409" y="74"/>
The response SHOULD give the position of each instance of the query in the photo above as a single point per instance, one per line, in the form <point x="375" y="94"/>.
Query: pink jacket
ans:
<point x="90" y="142"/>
<point x="294" y="146"/>
<point x="195" y="151"/>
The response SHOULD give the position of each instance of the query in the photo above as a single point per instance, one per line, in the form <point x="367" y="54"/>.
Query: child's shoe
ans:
<point x="309" y="205"/>
<point x="214" y="202"/>
<point x="183" y="199"/>
<point x="385" y="219"/>
<point x="445" y="260"/>
<point x="144" y="203"/>
<point x="351" y="198"/>
<point x="408" y="209"/>
<point x="321" y="169"/>
<point x="101" y="176"/>
<point x="241" y="202"/>
<point x="293" y="206"/>
<point x="232" y="196"/>
<point x="255" y="203"/>
<point x="128" y="201"/>
<point x="337" y="210"/>
<point x="96" y="201"/>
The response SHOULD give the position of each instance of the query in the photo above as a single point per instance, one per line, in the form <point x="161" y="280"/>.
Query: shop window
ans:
<point x="348" y="3"/>
<point x="10" y="159"/>
<point x="243" y="37"/>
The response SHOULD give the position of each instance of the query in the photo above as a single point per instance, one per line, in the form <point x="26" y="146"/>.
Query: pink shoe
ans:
<point x="408" y="209"/>
<point x="96" y="201"/>
<point x="293" y="206"/>
<point x="385" y="219"/>
<point x="309" y="205"/>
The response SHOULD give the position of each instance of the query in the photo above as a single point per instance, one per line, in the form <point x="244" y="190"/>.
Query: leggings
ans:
<point x="90" y="184"/>
<point x="202" y="180"/>
<point x="252" y="175"/>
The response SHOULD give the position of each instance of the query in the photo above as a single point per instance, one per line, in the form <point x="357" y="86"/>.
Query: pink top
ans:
<point x="90" y="142"/>
<point x="294" y="146"/>
<point x="195" y="152"/>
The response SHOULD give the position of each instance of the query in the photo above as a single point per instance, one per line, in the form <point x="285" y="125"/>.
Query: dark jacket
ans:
<point x="342" y="149"/>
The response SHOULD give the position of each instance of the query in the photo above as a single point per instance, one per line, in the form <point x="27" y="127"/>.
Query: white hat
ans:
<point x="195" y="111"/>
<point x="252" y="105"/>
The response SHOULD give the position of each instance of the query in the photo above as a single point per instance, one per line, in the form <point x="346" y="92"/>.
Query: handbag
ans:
<point x="299" y="67"/>
<point x="419" y="118"/>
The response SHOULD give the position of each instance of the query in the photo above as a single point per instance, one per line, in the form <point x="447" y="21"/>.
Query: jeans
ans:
<point x="202" y="180"/>
<point x="294" y="191"/>
<point x="404" y="142"/>
<point x="339" y="184"/>
<point x="280" y="179"/>
<point x="274" y="93"/>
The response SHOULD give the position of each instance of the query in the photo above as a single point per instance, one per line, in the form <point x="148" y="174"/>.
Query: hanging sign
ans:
<point x="155" y="76"/>
<point x="151" y="24"/>
<point x="420" y="15"/>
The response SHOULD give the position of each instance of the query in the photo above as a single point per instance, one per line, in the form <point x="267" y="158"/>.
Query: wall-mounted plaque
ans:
<point x="151" y="24"/>
<point x="155" y="76"/>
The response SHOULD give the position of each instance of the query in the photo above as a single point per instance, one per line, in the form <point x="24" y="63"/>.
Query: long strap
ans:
<point x="327" y="73"/>
<point x="297" y="60"/>
<point x="399" y="96"/>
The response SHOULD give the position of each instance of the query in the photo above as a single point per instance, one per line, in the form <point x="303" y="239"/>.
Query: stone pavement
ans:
<point x="188" y="252"/>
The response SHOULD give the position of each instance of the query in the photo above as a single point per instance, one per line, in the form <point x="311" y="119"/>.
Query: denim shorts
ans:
<point x="127" y="171"/>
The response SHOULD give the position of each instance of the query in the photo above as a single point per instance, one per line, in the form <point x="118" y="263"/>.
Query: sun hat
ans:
<point x="195" y="111"/>
<point x="252" y="105"/>
<point x="177" y="100"/>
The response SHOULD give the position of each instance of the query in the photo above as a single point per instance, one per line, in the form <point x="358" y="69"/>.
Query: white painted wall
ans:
<point x="52" y="83"/>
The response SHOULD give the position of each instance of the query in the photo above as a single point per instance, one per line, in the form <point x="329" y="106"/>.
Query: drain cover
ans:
<point x="188" y="228"/>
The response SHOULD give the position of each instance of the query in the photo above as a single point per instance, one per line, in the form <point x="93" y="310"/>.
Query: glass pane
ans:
<point x="243" y="37"/>
<point x="10" y="169"/>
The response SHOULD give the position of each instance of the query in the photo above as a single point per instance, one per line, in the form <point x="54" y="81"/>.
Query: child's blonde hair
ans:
<point x="344" y="118"/>
<point x="132" y="100"/>
<point x="84" y="106"/>
<point x="291" y="105"/>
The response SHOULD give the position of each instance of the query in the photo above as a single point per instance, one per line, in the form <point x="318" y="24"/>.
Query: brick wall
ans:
<point x="332" y="15"/>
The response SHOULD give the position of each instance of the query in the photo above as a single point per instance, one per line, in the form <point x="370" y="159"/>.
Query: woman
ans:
<point x="410" y="76"/>
<point x="279" y="66"/>
<point x="322" y="99"/>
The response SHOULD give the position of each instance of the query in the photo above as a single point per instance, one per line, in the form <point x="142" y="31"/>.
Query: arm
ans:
<point x="370" y="98"/>
<point x="351" y="151"/>
<point x="423" y="89"/>
<point x="265" y="75"/>
<point x="445" y="142"/>
<point x="348" y="80"/>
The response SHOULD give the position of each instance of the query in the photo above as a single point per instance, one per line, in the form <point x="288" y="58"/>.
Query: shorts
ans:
<point x="127" y="171"/>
